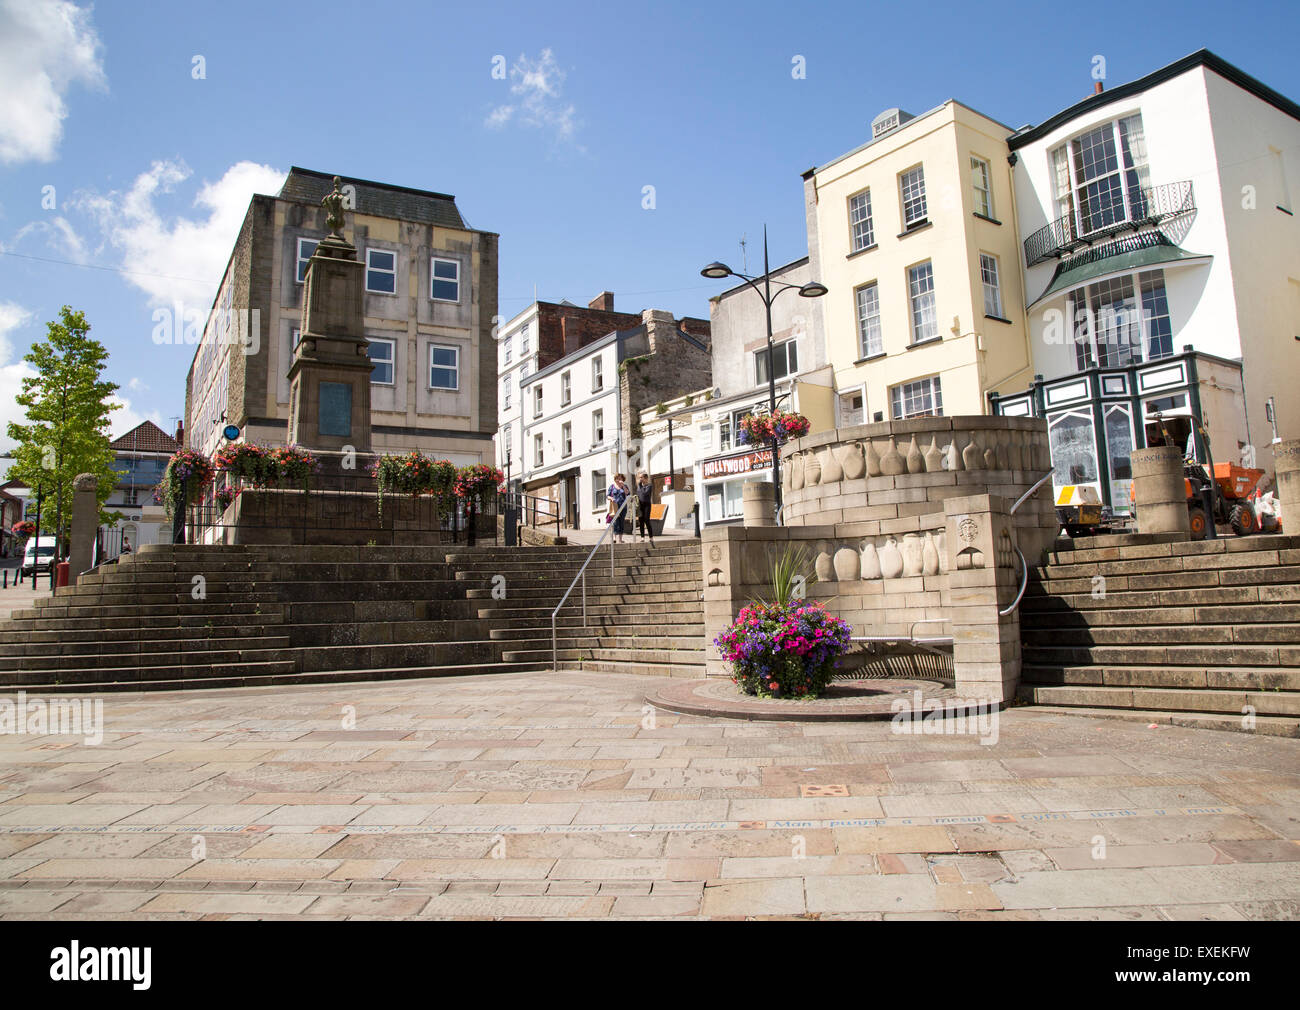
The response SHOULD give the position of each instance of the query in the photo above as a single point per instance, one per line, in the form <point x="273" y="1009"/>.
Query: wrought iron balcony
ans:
<point x="1154" y="205"/>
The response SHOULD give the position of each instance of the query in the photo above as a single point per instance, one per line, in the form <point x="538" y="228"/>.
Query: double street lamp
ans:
<point x="813" y="289"/>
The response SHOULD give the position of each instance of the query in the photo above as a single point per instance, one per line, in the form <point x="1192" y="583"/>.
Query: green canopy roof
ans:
<point x="1115" y="258"/>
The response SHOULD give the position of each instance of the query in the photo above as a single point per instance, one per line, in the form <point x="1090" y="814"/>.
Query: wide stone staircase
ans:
<point x="172" y="617"/>
<point x="1203" y="633"/>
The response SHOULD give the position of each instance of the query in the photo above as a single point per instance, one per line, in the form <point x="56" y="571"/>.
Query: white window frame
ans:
<point x="539" y="450"/>
<point x="929" y="386"/>
<point x="566" y="388"/>
<point x="871" y="339"/>
<point x="991" y="281"/>
<point x="380" y="270"/>
<point x="391" y="360"/>
<point x="597" y="374"/>
<point x="913" y="180"/>
<point x="301" y="268"/>
<point x="598" y="427"/>
<point x="507" y="349"/>
<point x="783" y="347"/>
<point x="537" y="401"/>
<point x="523" y="340"/>
<point x="434" y="279"/>
<point x="982" y="172"/>
<point x="506" y="389"/>
<point x="862" y="229"/>
<point x="1063" y="159"/>
<point x="455" y="368"/>
<point x="599" y="490"/>
<point x="566" y="440"/>
<point x="916" y="300"/>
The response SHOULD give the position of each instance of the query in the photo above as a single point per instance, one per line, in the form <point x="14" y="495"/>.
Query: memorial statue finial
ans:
<point x="333" y="204"/>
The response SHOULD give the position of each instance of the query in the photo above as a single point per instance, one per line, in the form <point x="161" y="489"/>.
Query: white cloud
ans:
<point x="123" y="420"/>
<point x="46" y="46"/>
<point x="177" y="258"/>
<point x="12" y="317"/>
<point x="59" y="235"/>
<point x="538" y="87"/>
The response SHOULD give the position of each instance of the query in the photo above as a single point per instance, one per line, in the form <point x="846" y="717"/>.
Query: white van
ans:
<point x="39" y="554"/>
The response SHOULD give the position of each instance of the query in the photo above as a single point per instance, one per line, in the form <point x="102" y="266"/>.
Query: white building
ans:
<point x="569" y="431"/>
<point x="516" y="360"/>
<point x="1160" y="249"/>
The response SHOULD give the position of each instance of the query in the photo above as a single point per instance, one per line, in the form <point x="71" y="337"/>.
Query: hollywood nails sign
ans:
<point x="737" y="464"/>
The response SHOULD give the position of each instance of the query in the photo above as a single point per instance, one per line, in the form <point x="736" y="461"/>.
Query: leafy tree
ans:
<point x="67" y="429"/>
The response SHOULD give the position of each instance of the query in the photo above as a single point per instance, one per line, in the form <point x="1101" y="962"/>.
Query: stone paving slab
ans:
<point x="555" y="795"/>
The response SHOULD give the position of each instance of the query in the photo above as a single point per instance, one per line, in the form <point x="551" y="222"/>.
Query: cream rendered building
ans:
<point x="914" y="235"/>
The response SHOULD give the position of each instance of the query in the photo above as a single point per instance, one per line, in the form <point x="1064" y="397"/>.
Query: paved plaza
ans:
<point x="545" y="795"/>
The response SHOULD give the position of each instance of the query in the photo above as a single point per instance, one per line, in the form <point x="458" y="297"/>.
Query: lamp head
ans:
<point x="813" y="289"/>
<point x="716" y="271"/>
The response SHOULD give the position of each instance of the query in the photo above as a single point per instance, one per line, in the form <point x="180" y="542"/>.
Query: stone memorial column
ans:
<point x="85" y="523"/>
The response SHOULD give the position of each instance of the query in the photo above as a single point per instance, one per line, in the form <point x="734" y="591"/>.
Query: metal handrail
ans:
<point x="1024" y="565"/>
<point x="582" y="576"/>
<point x="1037" y="484"/>
<point x="524" y="506"/>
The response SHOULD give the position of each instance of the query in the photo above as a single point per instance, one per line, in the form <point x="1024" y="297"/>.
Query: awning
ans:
<point x="1113" y="259"/>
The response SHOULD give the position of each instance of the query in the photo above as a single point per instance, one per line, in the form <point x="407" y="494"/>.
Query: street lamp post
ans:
<point x="813" y="289"/>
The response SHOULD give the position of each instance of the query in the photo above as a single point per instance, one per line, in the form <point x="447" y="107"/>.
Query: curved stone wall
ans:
<point x="898" y="473"/>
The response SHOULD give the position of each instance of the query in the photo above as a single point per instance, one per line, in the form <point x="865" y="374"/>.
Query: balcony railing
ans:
<point x="1151" y="206"/>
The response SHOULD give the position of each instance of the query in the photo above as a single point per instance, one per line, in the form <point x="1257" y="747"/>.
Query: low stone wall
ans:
<point x="292" y="516"/>
<point x="904" y="522"/>
<point x="892" y="478"/>
<point x="961" y="573"/>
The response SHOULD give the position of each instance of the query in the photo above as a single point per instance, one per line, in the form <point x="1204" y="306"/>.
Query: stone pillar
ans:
<point x="983" y="577"/>
<point x="1286" y="469"/>
<point x="85" y="521"/>
<point x="758" y="503"/>
<point x="1158" y="491"/>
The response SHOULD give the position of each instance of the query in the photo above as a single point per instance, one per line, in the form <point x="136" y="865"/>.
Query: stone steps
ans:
<point x="1164" y="699"/>
<point x="312" y="614"/>
<point x="1265" y="725"/>
<point x="1198" y="629"/>
<point x="1171" y="633"/>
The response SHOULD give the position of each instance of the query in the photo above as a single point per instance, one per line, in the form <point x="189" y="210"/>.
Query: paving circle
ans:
<point x="844" y="700"/>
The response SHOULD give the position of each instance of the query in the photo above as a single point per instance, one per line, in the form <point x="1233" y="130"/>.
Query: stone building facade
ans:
<point x="430" y="298"/>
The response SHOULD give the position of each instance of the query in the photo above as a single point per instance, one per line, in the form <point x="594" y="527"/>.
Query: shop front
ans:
<point x="722" y="479"/>
<point x="1097" y="417"/>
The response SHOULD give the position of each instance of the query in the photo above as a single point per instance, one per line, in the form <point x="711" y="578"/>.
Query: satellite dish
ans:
<point x="231" y="432"/>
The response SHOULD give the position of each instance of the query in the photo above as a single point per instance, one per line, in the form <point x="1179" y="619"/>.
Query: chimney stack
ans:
<point x="603" y="302"/>
<point x="569" y="334"/>
<point x="1098" y="88"/>
<point x="180" y="433"/>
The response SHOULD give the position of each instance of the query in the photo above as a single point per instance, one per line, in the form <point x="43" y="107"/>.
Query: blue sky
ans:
<point x="152" y="167"/>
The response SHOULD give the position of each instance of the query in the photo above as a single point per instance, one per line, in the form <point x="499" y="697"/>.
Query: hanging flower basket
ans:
<point x="474" y="483"/>
<point x="225" y="496"/>
<point x="248" y="462"/>
<point x="293" y="465"/>
<point x="23" y="528"/>
<point x="186" y="473"/>
<point x="784" y="650"/>
<point x="763" y="428"/>
<point x="414" y="474"/>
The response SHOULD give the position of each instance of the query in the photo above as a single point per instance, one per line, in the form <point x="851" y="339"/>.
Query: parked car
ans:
<point x="39" y="555"/>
